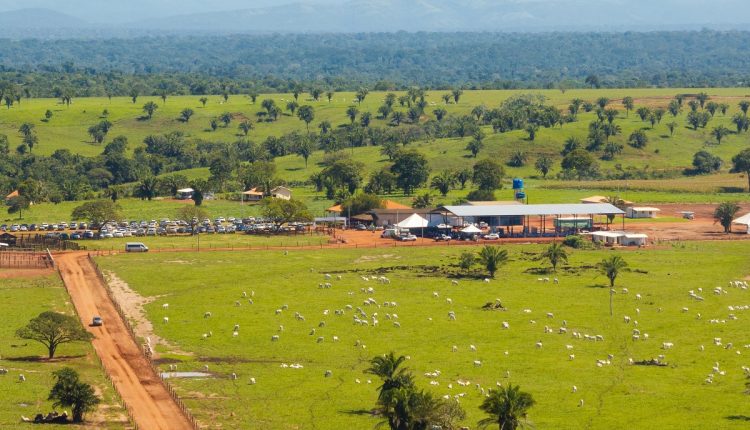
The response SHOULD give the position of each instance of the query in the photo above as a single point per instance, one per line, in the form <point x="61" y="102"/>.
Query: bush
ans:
<point x="575" y="241"/>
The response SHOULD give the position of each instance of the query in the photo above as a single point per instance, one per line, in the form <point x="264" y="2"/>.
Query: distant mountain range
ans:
<point x="347" y="16"/>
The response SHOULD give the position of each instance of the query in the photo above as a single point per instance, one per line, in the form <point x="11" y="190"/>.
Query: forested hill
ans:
<point x="200" y="64"/>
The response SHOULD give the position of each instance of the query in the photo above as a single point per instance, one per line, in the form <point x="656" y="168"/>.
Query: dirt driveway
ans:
<point x="140" y="388"/>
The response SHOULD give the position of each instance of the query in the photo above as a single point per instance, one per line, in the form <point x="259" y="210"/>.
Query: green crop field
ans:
<point x="21" y="300"/>
<point x="615" y="395"/>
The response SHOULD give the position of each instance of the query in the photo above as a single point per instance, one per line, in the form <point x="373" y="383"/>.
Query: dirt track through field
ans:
<point x="140" y="388"/>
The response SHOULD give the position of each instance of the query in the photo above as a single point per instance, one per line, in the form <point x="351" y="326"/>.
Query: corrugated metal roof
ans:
<point x="530" y="210"/>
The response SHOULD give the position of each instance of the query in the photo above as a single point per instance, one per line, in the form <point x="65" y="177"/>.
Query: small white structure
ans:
<point x="185" y="193"/>
<point x="612" y="238"/>
<point x="744" y="220"/>
<point x="641" y="212"/>
<point x="471" y="229"/>
<point x="281" y="193"/>
<point x="413" y="221"/>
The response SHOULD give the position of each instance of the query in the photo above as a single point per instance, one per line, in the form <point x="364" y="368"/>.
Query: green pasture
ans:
<point x="21" y="300"/>
<point x="618" y="395"/>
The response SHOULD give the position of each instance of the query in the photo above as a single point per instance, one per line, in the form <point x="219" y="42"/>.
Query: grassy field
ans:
<point x="21" y="300"/>
<point x="68" y="129"/>
<point x="618" y="395"/>
<point x="208" y="241"/>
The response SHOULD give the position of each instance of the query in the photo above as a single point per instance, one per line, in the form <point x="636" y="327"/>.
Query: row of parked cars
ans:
<point x="61" y="226"/>
<point x="166" y="227"/>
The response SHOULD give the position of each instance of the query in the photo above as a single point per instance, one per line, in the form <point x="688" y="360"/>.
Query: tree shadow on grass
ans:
<point x="40" y="359"/>
<point x="598" y="286"/>
<point x="359" y="412"/>
<point x="738" y="418"/>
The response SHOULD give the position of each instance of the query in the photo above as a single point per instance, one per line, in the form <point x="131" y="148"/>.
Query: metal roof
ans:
<point x="530" y="210"/>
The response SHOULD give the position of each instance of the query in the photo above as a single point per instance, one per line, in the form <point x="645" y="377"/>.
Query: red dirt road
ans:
<point x="138" y="385"/>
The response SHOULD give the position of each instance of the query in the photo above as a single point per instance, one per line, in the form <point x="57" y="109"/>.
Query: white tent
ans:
<point x="471" y="229"/>
<point x="744" y="220"/>
<point x="413" y="221"/>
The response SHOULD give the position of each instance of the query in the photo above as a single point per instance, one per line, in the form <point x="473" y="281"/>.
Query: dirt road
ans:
<point x="140" y="388"/>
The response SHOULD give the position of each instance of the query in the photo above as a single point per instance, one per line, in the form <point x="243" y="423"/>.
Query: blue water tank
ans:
<point x="517" y="183"/>
<point x="520" y="195"/>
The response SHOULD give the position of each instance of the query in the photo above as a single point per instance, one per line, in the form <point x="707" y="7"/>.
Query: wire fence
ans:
<point x="26" y="259"/>
<point x="146" y="354"/>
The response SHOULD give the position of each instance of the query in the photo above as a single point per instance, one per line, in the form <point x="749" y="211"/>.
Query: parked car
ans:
<point x="135" y="247"/>
<point x="442" y="238"/>
<point x="491" y="236"/>
<point x="407" y="238"/>
<point x="97" y="321"/>
<point x="360" y="227"/>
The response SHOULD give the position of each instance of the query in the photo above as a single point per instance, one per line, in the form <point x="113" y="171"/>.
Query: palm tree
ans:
<point x="397" y="117"/>
<point x="352" y="112"/>
<point x="226" y="118"/>
<point x="203" y="101"/>
<point x="507" y="408"/>
<point x="292" y="106"/>
<point x="611" y="267"/>
<point x="492" y="257"/>
<point x="555" y="253"/>
<point x="627" y="103"/>
<point x="186" y="114"/>
<point x="388" y="368"/>
<point x="744" y="106"/>
<point x="245" y="126"/>
<point x="150" y="108"/>
<point x="443" y="182"/>
<point x="719" y="133"/>
<point x="307" y="114"/>
<point x="725" y="213"/>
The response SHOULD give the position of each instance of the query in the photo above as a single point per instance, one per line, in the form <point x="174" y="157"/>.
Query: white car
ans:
<point x="118" y="234"/>
<point x="491" y="236"/>
<point x="408" y="238"/>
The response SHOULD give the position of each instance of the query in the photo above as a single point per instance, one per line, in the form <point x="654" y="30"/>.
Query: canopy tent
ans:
<point x="472" y="229"/>
<point x="744" y="220"/>
<point x="185" y="190"/>
<point x="413" y="221"/>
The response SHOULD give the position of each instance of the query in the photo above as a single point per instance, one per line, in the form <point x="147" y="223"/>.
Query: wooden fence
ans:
<point x="25" y="260"/>
<point x="155" y="369"/>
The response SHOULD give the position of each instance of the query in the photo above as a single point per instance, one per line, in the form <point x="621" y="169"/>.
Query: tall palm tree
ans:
<point x="611" y="268"/>
<point x="492" y="257"/>
<point x="724" y="214"/>
<point x="507" y="408"/>
<point x="443" y="182"/>
<point x="555" y="253"/>
<point x="388" y="368"/>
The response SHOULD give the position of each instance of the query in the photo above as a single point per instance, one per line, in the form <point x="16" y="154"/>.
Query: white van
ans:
<point x="135" y="247"/>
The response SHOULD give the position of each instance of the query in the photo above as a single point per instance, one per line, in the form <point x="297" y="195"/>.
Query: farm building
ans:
<point x="384" y="217"/>
<point x="387" y="204"/>
<point x="641" y="212"/>
<point x="542" y="219"/>
<point x="8" y="239"/>
<point x="185" y="193"/>
<point x="281" y="192"/>
<point x="602" y="199"/>
<point x="619" y="238"/>
<point x="252" y="195"/>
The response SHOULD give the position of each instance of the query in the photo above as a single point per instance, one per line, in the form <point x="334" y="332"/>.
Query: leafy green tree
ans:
<point x="31" y="140"/>
<point x="507" y="407"/>
<point x="694" y="119"/>
<point x="674" y="108"/>
<point x="70" y="392"/>
<point x="200" y="188"/>
<point x="53" y="329"/>
<point x="492" y="258"/>
<point x="593" y="81"/>
<point x="693" y="105"/>
<point x="741" y="164"/>
<point x="741" y="122"/>
<point x="204" y="100"/>
<point x="543" y="165"/>
<point x="134" y="93"/>
<point x="281" y="211"/>
<point x="253" y="96"/>
<point x="304" y="149"/>
<point x="97" y="212"/>
<point x="364" y="119"/>
<point x="725" y="213"/>
<point x="48" y="115"/>
<point x="397" y="117"/>
<point x="702" y="98"/>
<point x="712" y="107"/>
<point x="329" y="96"/>
<point x="532" y="129"/>
<point x="611" y="150"/>
<point x="150" y="108"/>
<point x="306" y="113"/>
<point x="475" y="145"/>
<point x="719" y="133"/>
<point x="481" y="196"/>
<point x="446" y="98"/>
<point x="602" y="102"/>
<point x="18" y="204"/>
<point x="26" y="128"/>
<point x="361" y="95"/>
<point x="704" y="162"/>
<point x="556" y="254"/>
<point x="411" y="169"/>
<point x="192" y="215"/>
<point x="744" y="106"/>
<point x="580" y="163"/>
<point x="361" y="203"/>
<point x="643" y="113"/>
<point x="147" y="188"/>
<point x="488" y="175"/>
<point x="186" y="114"/>
<point x="467" y="260"/>
<point x="611" y="268"/>
<point x="463" y="175"/>
<point x="443" y="182"/>
<point x="627" y="103"/>
<point x="638" y="139"/>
